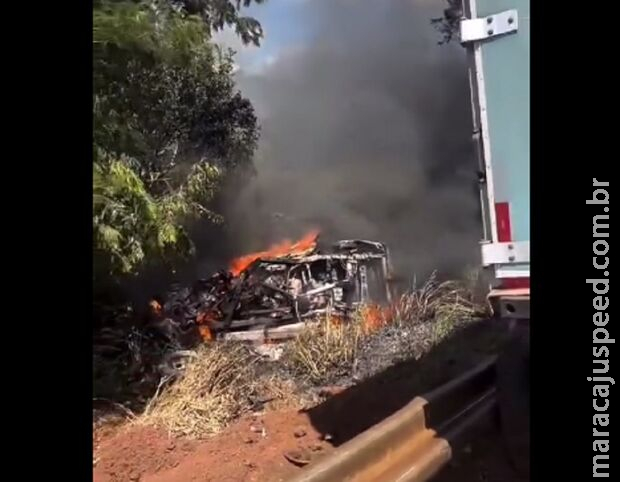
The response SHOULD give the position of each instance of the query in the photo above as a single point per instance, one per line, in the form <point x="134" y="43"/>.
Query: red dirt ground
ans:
<point x="244" y="452"/>
<point x="240" y="453"/>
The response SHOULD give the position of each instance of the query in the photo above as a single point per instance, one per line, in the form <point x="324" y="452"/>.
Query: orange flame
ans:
<point x="206" y="317"/>
<point x="205" y="333"/>
<point x="375" y="317"/>
<point x="204" y="320"/>
<point x="154" y="310"/>
<point x="304" y="246"/>
<point x="337" y="320"/>
<point x="155" y="307"/>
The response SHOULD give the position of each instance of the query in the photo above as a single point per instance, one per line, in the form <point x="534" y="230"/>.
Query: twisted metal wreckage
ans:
<point x="262" y="297"/>
<point x="272" y="295"/>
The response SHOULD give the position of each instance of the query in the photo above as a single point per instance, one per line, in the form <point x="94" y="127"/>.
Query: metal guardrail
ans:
<point x="413" y="444"/>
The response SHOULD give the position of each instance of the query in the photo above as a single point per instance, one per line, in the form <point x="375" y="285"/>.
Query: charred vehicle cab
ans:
<point x="283" y="292"/>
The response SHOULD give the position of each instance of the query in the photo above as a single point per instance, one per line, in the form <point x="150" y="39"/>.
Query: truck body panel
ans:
<point x="497" y="34"/>
<point x="499" y="76"/>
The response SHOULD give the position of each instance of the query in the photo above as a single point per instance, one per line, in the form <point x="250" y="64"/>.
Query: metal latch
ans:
<point x="477" y="29"/>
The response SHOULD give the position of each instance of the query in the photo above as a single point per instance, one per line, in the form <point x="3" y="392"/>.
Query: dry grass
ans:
<point x="447" y="305"/>
<point x="329" y="348"/>
<point x="278" y="393"/>
<point x="221" y="383"/>
<point x="324" y="349"/>
<point x="212" y="392"/>
<point x="439" y="302"/>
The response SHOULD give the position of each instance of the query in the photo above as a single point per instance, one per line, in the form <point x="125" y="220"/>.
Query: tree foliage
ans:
<point x="168" y="126"/>
<point x="220" y="13"/>
<point x="130" y="224"/>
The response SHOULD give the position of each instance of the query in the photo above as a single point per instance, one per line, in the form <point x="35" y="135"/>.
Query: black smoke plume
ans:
<point x="366" y="133"/>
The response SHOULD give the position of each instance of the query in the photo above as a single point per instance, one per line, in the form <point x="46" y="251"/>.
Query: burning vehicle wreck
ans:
<point x="271" y="295"/>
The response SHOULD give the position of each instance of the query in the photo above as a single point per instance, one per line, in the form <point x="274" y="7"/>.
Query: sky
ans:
<point x="286" y="24"/>
<point x="365" y="130"/>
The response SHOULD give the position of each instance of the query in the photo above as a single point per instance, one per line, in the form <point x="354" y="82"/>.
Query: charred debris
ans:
<point x="268" y="297"/>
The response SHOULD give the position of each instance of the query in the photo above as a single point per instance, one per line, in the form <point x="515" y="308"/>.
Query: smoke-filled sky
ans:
<point x="366" y="131"/>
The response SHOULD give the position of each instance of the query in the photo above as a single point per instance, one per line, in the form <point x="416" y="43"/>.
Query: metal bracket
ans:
<point x="510" y="304"/>
<point x="505" y="253"/>
<point x="477" y="29"/>
<point x="503" y="271"/>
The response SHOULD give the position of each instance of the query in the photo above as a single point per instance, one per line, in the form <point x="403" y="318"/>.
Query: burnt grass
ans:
<point x="374" y="353"/>
<point x="389" y="367"/>
<point x="396" y="372"/>
<point x="423" y="353"/>
<point x="462" y="345"/>
<point x="392" y="344"/>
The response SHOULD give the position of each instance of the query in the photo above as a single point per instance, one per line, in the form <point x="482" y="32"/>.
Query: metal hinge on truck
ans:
<point x="515" y="252"/>
<point x="478" y="29"/>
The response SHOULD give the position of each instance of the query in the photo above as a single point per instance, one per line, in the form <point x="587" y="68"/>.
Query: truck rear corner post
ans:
<point x="496" y="34"/>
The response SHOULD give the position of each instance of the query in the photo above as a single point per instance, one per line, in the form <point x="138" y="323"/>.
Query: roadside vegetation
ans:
<point x="225" y="380"/>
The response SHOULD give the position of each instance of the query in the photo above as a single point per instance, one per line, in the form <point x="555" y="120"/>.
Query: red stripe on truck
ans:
<point x="502" y="217"/>
<point x="514" y="283"/>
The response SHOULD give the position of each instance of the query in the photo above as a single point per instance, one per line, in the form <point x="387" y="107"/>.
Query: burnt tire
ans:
<point x="513" y="393"/>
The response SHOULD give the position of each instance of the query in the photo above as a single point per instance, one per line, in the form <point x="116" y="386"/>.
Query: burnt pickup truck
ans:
<point x="273" y="297"/>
